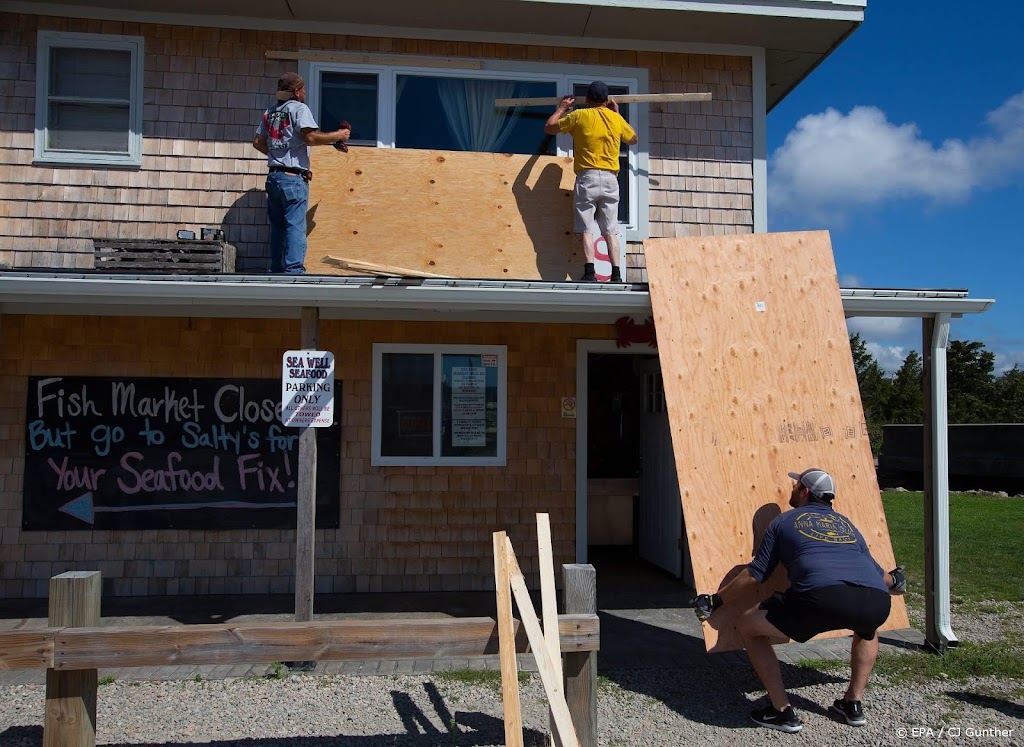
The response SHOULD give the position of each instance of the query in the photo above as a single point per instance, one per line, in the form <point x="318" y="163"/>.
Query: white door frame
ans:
<point x="583" y="350"/>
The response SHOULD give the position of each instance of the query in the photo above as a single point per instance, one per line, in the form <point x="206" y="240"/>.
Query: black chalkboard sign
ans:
<point x="168" y="453"/>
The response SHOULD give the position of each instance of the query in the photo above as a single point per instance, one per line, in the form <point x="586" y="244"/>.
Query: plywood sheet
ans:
<point x="759" y="381"/>
<point x="463" y="215"/>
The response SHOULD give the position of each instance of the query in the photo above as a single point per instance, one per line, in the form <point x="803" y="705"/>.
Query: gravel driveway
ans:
<point x="706" y="703"/>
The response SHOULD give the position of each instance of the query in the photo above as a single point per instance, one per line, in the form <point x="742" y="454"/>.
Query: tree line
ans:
<point x="975" y="394"/>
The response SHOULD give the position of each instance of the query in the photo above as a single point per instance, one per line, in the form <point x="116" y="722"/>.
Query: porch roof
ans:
<point x="280" y="296"/>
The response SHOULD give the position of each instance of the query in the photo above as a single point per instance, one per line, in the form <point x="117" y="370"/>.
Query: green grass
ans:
<point x="985" y="573"/>
<point x="997" y="659"/>
<point x="984" y="544"/>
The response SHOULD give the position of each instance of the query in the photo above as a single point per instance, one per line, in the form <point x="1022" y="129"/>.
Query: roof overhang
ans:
<point x="796" y="35"/>
<point x="282" y="297"/>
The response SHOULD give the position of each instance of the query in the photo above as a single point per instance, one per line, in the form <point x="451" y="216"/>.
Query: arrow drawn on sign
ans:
<point x="84" y="509"/>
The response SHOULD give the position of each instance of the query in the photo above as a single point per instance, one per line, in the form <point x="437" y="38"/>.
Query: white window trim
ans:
<point x="498" y="460"/>
<point x="48" y="40"/>
<point x="562" y="75"/>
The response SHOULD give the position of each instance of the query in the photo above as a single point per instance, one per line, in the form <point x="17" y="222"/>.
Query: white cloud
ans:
<point x="888" y="339"/>
<point x="851" y="281"/>
<point x="885" y="327"/>
<point x="889" y="357"/>
<point x="832" y="162"/>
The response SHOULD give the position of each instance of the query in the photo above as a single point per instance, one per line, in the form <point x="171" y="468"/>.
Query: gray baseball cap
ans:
<point x="818" y="481"/>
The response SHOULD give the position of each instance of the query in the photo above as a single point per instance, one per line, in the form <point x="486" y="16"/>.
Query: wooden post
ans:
<point x="305" y="514"/>
<point x="507" y="645"/>
<point x="580" y="668"/>
<point x="549" y="608"/>
<point x="70" y="716"/>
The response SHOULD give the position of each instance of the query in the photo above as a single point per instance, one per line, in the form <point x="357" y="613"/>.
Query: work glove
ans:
<point x="899" y="580"/>
<point x="705" y="604"/>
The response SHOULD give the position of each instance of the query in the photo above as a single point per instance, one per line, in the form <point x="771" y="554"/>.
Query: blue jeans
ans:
<point x="287" y="198"/>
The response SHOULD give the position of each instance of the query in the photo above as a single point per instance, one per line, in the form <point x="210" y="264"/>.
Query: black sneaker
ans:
<point x="616" y="276"/>
<point x="850" y="711"/>
<point x="588" y="277"/>
<point x="786" y="720"/>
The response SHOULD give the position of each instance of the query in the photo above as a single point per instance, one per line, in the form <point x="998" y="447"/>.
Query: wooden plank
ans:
<point x="506" y="654"/>
<point x="549" y="603"/>
<point x="461" y="215"/>
<point x="759" y="381"/>
<point x="305" y="518"/>
<point x="552" y="682"/>
<point x="579" y="582"/>
<point x="332" y="640"/>
<point x="26" y="649"/>
<point x="374" y="268"/>
<point x="629" y="98"/>
<point x="377" y="59"/>
<point x="70" y="714"/>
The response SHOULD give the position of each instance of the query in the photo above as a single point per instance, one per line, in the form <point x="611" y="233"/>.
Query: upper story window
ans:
<point x="449" y="109"/>
<point x="89" y="99"/>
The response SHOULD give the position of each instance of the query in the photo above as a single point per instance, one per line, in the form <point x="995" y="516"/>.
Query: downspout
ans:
<point x="938" y="632"/>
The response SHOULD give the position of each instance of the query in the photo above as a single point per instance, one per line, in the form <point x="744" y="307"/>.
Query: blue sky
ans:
<point x="907" y="144"/>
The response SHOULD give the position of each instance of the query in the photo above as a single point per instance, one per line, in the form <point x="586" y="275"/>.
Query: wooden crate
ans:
<point x="167" y="256"/>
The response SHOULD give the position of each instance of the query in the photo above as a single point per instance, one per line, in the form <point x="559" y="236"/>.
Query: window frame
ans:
<point x="49" y="40"/>
<point x="562" y="75"/>
<point x="438" y="351"/>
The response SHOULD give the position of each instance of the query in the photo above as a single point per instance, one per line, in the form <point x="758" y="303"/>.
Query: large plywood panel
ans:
<point x="463" y="215"/>
<point x="759" y="381"/>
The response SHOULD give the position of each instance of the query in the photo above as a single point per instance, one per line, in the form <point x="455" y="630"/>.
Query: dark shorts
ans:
<point x="802" y="615"/>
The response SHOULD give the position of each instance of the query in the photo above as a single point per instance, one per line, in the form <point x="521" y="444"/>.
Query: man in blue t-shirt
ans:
<point x="835" y="584"/>
<point x="284" y="134"/>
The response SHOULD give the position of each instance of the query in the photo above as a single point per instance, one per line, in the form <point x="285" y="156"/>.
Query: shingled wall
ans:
<point x="205" y="87"/>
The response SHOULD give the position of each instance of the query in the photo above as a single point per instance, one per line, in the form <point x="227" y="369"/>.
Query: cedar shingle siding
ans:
<point x="205" y="87"/>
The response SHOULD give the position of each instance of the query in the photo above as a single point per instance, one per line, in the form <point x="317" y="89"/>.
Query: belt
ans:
<point x="292" y="170"/>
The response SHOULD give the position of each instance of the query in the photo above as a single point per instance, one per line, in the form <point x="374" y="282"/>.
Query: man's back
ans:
<point x="819" y="547"/>
<point x="597" y="134"/>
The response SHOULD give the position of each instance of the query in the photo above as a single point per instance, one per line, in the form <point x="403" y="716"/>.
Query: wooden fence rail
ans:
<point x="73" y="648"/>
<point x="66" y="649"/>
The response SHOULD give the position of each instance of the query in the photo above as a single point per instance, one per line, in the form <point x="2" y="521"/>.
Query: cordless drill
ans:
<point x="340" y="145"/>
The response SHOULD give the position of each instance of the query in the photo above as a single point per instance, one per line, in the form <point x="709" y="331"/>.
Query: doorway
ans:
<point x="629" y="516"/>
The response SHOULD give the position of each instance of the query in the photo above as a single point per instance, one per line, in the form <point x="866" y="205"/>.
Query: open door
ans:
<point x="661" y="513"/>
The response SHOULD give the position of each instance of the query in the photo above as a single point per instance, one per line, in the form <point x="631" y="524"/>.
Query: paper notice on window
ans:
<point x="469" y="406"/>
<point x="469" y="433"/>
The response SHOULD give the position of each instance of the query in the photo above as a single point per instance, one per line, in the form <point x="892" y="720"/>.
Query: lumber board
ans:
<point x="759" y="381"/>
<point x="26" y="649"/>
<point x="628" y="98"/>
<point x="462" y="215"/>
<point x="159" y="645"/>
<point x="510" y="702"/>
<point x="549" y="676"/>
<point x="356" y="265"/>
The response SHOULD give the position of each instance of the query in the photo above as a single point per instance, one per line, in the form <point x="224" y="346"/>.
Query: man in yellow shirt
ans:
<point x="597" y="132"/>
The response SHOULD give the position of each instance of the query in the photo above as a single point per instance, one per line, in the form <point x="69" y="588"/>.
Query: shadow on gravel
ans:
<point x="466" y="729"/>
<point x="706" y="688"/>
<point x="1006" y="707"/>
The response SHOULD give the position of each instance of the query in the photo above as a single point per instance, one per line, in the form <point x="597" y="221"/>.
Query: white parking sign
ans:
<point x="307" y="389"/>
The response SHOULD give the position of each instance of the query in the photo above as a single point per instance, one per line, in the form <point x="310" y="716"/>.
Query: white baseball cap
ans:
<point x="818" y="481"/>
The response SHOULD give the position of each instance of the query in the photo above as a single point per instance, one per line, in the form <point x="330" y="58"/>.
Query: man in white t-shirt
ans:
<point x="284" y="135"/>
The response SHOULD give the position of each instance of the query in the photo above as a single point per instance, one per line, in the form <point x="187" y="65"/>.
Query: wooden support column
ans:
<point x="580" y="667"/>
<point x="70" y="716"/>
<point x="306" y="492"/>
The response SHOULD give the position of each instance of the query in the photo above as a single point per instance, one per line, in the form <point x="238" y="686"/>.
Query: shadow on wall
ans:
<point x="245" y="227"/>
